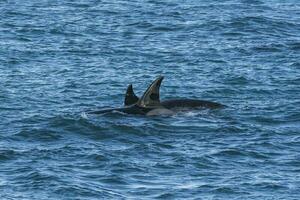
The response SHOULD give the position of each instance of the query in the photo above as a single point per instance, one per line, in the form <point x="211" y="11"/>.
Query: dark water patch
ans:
<point x="292" y="162"/>
<point x="7" y="154"/>
<point x="78" y="125"/>
<point x="43" y="135"/>
<point x="165" y="195"/>
<point x="79" y="5"/>
<point x="36" y="179"/>
<point x="250" y="2"/>
<point x="73" y="191"/>
<point x="224" y="190"/>
<point x="165" y="28"/>
<point x="296" y="64"/>
<point x="98" y="157"/>
<point x="294" y="46"/>
<point x="233" y="34"/>
<point x="257" y="155"/>
<point x="268" y="48"/>
<point x="114" y="180"/>
<point x="216" y="61"/>
<point x="270" y="185"/>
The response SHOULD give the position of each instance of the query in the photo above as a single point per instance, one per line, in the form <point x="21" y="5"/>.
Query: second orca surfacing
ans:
<point x="150" y="104"/>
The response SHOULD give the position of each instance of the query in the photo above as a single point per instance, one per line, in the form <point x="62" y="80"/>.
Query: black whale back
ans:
<point x="189" y="103"/>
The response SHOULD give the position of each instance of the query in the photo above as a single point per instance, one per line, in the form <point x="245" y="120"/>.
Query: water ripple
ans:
<point x="61" y="59"/>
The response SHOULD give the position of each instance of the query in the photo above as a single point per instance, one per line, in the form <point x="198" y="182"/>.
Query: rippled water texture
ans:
<point x="59" y="59"/>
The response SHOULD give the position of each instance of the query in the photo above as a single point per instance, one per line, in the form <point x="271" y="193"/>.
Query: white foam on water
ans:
<point x="84" y="115"/>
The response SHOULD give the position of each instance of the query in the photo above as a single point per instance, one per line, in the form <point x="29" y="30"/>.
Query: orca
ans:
<point x="150" y="104"/>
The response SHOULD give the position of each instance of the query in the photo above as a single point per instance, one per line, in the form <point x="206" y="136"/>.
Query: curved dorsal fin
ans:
<point x="151" y="97"/>
<point x="130" y="97"/>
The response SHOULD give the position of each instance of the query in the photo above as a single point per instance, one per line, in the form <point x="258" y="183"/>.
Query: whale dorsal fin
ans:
<point x="151" y="97"/>
<point x="130" y="97"/>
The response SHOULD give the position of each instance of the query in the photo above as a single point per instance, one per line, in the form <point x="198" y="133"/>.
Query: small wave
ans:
<point x="34" y="177"/>
<point x="294" y="46"/>
<point x="270" y="185"/>
<point x="38" y="135"/>
<point x="7" y="154"/>
<point x="295" y="64"/>
<point x="229" y="153"/>
<point x="225" y="189"/>
<point x="268" y="48"/>
<point x="98" y="157"/>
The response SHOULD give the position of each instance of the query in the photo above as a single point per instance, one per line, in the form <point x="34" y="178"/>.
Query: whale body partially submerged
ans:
<point x="150" y="104"/>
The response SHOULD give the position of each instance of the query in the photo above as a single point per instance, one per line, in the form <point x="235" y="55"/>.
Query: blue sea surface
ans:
<point x="59" y="59"/>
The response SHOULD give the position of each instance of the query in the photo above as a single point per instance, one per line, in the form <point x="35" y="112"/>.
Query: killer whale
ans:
<point x="144" y="105"/>
<point x="150" y="104"/>
<point x="131" y="98"/>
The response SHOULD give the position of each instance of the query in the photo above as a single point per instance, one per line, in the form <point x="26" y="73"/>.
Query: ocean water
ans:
<point x="59" y="59"/>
